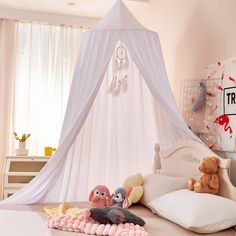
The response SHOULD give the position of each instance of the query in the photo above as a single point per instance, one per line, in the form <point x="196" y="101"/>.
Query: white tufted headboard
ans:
<point x="183" y="159"/>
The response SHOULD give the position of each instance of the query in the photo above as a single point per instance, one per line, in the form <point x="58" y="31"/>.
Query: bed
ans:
<point x="181" y="160"/>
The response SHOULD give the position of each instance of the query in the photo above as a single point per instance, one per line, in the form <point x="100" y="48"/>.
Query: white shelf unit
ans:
<point x="19" y="171"/>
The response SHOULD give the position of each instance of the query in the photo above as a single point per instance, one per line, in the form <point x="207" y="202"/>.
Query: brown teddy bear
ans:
<point x="209" y="182"/>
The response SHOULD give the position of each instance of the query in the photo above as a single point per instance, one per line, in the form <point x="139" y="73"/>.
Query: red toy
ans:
<point x="100" y="197"/>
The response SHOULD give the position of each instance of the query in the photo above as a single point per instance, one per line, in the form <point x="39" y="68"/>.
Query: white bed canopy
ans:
<point x="106" y="136"/>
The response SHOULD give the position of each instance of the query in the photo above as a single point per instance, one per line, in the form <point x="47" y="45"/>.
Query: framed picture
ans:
<point x="222" y="122"/>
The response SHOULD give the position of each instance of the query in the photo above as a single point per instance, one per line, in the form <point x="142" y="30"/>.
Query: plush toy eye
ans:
<point x="103" y="195"/>
<point x="119" y="196"/>
<point x="96" y="193"/>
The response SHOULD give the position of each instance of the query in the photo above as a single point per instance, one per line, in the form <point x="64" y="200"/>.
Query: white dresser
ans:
<point x="20" y="170"/>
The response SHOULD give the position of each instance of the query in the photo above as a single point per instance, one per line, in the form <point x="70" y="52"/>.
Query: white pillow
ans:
<point x="199" y="212"/>
<point x="156" y="185"/>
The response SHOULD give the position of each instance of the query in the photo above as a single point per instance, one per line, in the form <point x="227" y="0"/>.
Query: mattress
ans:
<point x="32" y="221"/>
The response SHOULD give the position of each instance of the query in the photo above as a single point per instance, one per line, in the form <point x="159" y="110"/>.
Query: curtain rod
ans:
<point x="47" y="23"/>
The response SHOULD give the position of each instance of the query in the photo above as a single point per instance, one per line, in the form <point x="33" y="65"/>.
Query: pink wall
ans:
<point x="193" y="33"/>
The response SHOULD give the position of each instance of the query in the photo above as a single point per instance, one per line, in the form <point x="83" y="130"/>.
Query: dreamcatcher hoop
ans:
<point x="121" y="53"/>
<point x="120" y="66"/>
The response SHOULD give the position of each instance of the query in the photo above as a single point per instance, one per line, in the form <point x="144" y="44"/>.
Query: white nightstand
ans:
<point x="20" y="170"/>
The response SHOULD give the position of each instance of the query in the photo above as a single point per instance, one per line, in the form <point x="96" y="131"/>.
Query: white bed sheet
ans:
<point x="22" y="221"/>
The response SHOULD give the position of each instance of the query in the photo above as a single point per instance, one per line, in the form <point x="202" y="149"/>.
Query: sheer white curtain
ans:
<point x="45" y="60"/>
<point x="8" y="31"/>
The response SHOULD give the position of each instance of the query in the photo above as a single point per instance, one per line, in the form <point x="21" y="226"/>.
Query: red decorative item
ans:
<point x="223" y="121"/>
<point x="210" y="94"/>
<point x="232" y="79"/>
<point x="222" y="76"/>
<point x="219" y="88"/>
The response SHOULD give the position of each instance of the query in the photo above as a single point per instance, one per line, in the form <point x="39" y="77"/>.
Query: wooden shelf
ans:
<point x="19" y="171"/>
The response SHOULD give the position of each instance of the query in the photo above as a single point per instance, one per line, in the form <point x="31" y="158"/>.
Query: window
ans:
<point x="45" y="59"/>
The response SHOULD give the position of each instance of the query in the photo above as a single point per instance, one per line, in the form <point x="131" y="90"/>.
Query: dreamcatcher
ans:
<point x="120" y="66"/>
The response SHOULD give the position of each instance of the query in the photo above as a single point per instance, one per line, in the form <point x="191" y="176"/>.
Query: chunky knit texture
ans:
<point x="85" y="224"/>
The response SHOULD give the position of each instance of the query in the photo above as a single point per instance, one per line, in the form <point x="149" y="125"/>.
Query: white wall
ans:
<point x="193" y="33"/>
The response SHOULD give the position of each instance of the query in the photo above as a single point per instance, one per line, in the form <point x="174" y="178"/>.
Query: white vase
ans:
<point x="21" y="150"/>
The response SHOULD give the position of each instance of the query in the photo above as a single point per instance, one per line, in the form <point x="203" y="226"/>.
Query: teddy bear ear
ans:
<point x="215" y="159"/>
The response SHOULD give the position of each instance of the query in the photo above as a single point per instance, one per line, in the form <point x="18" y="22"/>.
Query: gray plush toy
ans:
<point x="118" y="197"/>
<point x="115" y="215"/>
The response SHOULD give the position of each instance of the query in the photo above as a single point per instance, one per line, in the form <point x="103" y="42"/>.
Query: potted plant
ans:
<point x="22" y="151"/>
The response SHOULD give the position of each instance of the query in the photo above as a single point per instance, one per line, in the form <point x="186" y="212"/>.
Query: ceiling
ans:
<point x="89" y="8"/>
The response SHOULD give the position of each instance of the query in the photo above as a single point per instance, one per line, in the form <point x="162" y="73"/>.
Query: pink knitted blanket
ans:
<point x="85" y="224"/>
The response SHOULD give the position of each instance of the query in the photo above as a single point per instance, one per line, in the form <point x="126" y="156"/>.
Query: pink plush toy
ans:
<point x="84" y="224"/>
<point x="100" y="197"/>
